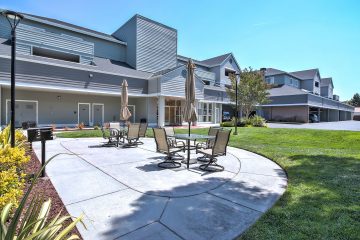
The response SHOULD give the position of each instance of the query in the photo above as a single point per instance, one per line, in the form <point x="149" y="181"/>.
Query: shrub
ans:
<point x="35" y="223"/>
<point x="257" y="121"/>
<point x="81" y="126"/>
<point x="11" y="186"/>
<point x="12" y="161"/>
<point x="227" y="124"/>
<point x="96" y="127"/>
<point x="20" y="139"/>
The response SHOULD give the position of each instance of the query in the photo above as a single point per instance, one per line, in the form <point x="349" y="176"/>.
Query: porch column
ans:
<point x="318" y="113"/>
<point x="161" y="111"/>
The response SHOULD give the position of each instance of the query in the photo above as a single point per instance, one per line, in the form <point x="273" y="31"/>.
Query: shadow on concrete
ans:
<point x="207" y="214"/>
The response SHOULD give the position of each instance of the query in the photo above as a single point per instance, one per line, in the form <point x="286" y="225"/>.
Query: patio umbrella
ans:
<point x="125" y="114"/>
<point x="190" y="114"/>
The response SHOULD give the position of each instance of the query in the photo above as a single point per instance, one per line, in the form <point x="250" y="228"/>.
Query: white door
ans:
<point x="84" y="113"/>
<point x="25" y="111"/>
<point x="98" y="114"/>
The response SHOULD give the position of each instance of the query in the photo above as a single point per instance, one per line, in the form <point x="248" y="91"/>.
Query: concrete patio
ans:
<point x="124" y="195"/>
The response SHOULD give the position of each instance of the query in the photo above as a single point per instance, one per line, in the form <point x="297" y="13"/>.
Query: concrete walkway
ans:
<point x="341" y="125"/>
<point x="124" y="195"/>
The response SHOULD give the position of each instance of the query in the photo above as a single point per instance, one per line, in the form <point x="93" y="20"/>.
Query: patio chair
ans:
<point x="208" y="144"/>
<point x="163" y="146"/>
<point x="142" y="132"/>
<point x="170" y="134"/>
<point x="218" y="149"/>
<point x="113" y="138"/>
<point x="132" y="135"/>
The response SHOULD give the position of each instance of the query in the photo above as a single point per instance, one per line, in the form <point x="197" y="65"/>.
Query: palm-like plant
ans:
<point x="35" y="224"/>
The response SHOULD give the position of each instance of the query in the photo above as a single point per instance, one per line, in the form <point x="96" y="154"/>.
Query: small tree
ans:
<point x="355" y="101"/>
<point x="252" y="90"/>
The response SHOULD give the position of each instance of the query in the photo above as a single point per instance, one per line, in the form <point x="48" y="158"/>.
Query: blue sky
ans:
<point x="288" y="35"/>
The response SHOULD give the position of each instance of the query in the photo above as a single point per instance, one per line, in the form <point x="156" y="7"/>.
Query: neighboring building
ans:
<point x="296" y="95"/>
<point x="357" y="114"/>
<point x="66" y="74"/>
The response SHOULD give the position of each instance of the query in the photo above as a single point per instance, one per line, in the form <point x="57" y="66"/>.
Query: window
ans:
<point x="229" y="71"/>
<point x="316" y="84"/>
<point x="296" y="83"/>
<point x="43" y="52"/>
<point x="205" y="112"/>
<point x="270" y="80"/>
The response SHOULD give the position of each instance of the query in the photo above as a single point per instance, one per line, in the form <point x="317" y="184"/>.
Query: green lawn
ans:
<point x="322" y="200"/>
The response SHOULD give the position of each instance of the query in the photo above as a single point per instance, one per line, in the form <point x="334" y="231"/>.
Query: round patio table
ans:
<point x="191" y="137"/>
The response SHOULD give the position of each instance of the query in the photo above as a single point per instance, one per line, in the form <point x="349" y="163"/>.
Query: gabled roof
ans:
<point x="326" y="82"/>
<point x="285" y="90"/>
<point x="211" y="62"/>
<point x="306" y="74"/>
<point x="273" y="71"/>
<point x="215" y="61"/>
<point x="197" y="62"/>
<point x="69" y="26"/>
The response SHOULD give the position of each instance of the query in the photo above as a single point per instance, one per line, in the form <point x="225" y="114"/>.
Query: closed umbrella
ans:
<point x="125" y="114"/>
<point x="190" y="114"/>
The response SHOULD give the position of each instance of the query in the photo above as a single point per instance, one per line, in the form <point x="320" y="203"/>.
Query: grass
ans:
<point x="323" y="194"/>
<point x="80" y="134"/>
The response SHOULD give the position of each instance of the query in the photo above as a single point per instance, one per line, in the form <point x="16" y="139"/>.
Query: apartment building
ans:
<point x="67" y="74"/>
<point x="295" y="96"/>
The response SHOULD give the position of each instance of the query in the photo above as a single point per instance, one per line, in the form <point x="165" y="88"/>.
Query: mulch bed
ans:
<point x="45" y="188"/>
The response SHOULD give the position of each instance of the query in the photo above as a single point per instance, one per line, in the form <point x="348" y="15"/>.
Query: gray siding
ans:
<point x="278" y="79"/>
<point x="65" y="78"/>
<point x="127" y="33"/>
<point x="173" y="84"/>
<point x="217" y="96"/>
<point x="156" y="46"/>
<point x="101" y="47"/>
<point x="224" y="80"/>
<point x="4" y="28"/>
<point x="290" y="99"/>
<point x="307" y="85"/>
<point x="29" y="36"/>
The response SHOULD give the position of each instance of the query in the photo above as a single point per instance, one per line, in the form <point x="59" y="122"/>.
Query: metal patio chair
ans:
<point x="142" y="132"/>
<point x="164" y="146"/>
<point x="170" y="134"/>
<point x="113" y="137"/>
<point x="132" y="136"/>
<point x="217" y="150"/>
<point x="208" y="144"/>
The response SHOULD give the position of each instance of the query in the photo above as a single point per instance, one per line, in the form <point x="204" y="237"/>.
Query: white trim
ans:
<point x="79" y="111"/>
<point x="18" y="100"/>
<point x="134" y="107"/>
<point x="65" y="89"/>
<point x="108" y="38"/>
<point x="102" y="115"/>
<point x="87" y="68"/>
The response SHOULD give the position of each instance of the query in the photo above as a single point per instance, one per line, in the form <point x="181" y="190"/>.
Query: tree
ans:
<point x="355" y="101"/>
<point x="252" y="90"/>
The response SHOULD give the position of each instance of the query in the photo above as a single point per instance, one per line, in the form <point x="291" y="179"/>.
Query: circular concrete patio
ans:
<point x="124" y="194"/>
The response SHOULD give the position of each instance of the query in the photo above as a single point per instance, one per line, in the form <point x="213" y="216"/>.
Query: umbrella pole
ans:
<point x="188" y="148"/>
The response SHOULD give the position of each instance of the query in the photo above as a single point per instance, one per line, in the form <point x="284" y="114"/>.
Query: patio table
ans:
<point x="191" y="137"/>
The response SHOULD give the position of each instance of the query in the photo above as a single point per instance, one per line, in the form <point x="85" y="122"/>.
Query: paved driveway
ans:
<point x="124" y="195"/>
<point x="341" y="125"/>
